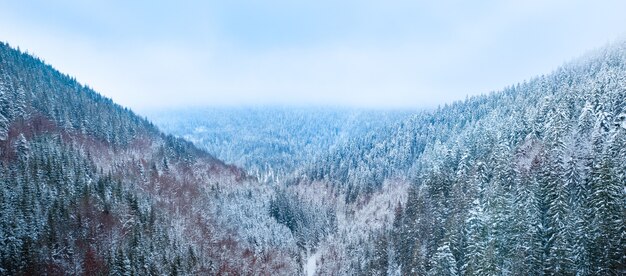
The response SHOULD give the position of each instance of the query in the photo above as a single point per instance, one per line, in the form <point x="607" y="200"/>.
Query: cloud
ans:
<point x="357" y="53"/>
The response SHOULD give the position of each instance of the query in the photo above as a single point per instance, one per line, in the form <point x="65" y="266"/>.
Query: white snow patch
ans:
<point x="311" y="264"/>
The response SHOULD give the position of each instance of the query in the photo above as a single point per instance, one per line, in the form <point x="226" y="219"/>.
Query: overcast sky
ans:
<point x="154" y="54"/>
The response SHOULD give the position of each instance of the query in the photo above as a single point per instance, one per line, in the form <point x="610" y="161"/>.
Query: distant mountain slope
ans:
<point x="595" y="82"/>
<point x="87" y="187"/>
<point x="528" y="180"/>
<point x="270" y="142"/>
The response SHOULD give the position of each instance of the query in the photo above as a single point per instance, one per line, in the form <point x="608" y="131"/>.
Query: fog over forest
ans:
<point x="279" y="138"/>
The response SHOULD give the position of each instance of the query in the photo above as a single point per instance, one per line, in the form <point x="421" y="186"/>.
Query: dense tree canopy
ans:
<point x="529" y="180"/>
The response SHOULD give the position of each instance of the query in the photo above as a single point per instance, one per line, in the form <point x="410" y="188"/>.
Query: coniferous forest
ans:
<point x="528" y="180"/>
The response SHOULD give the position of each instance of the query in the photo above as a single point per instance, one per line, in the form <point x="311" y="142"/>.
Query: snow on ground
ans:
<point x="311" y="264"/>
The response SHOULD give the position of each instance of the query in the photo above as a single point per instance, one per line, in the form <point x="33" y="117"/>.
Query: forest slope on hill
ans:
<point x="527" y="180"/>
<point x="530" y="179"/>
<point x="88" y="187"/>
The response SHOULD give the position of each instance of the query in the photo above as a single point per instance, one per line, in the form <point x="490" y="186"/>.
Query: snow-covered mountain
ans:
<point x="89" y="188"/>
<point x="272" y="142"/>
<point x="524" y="181"/>
<point x="527" y="180"/>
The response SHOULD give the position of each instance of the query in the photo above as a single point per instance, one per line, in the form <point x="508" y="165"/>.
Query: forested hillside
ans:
<point x="530" y="180"/>
<point x="272" y="142"/>
<point x="87" y="187"/>
<point x="527" y="180"/>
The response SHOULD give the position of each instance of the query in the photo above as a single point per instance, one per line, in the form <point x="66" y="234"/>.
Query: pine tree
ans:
<point x="607" y="224"/>
<point x="4" y="113"/>
<point x="5" y="92"/>
<point x="559" y="258"/>
<point x="476" y="238"/>
<point x="22" y="147"/>
<point x="379" y="261"/>
<point x="4" y="128"/>
<point x="19" y="102"/>
<point x="443" y="262"/>
<point x="525" y="233"/>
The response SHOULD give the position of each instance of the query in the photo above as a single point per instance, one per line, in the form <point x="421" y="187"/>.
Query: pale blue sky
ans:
<point x="151" y="54"/>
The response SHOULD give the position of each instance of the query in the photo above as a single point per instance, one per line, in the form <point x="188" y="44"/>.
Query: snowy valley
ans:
<point x="529" y="180"/>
